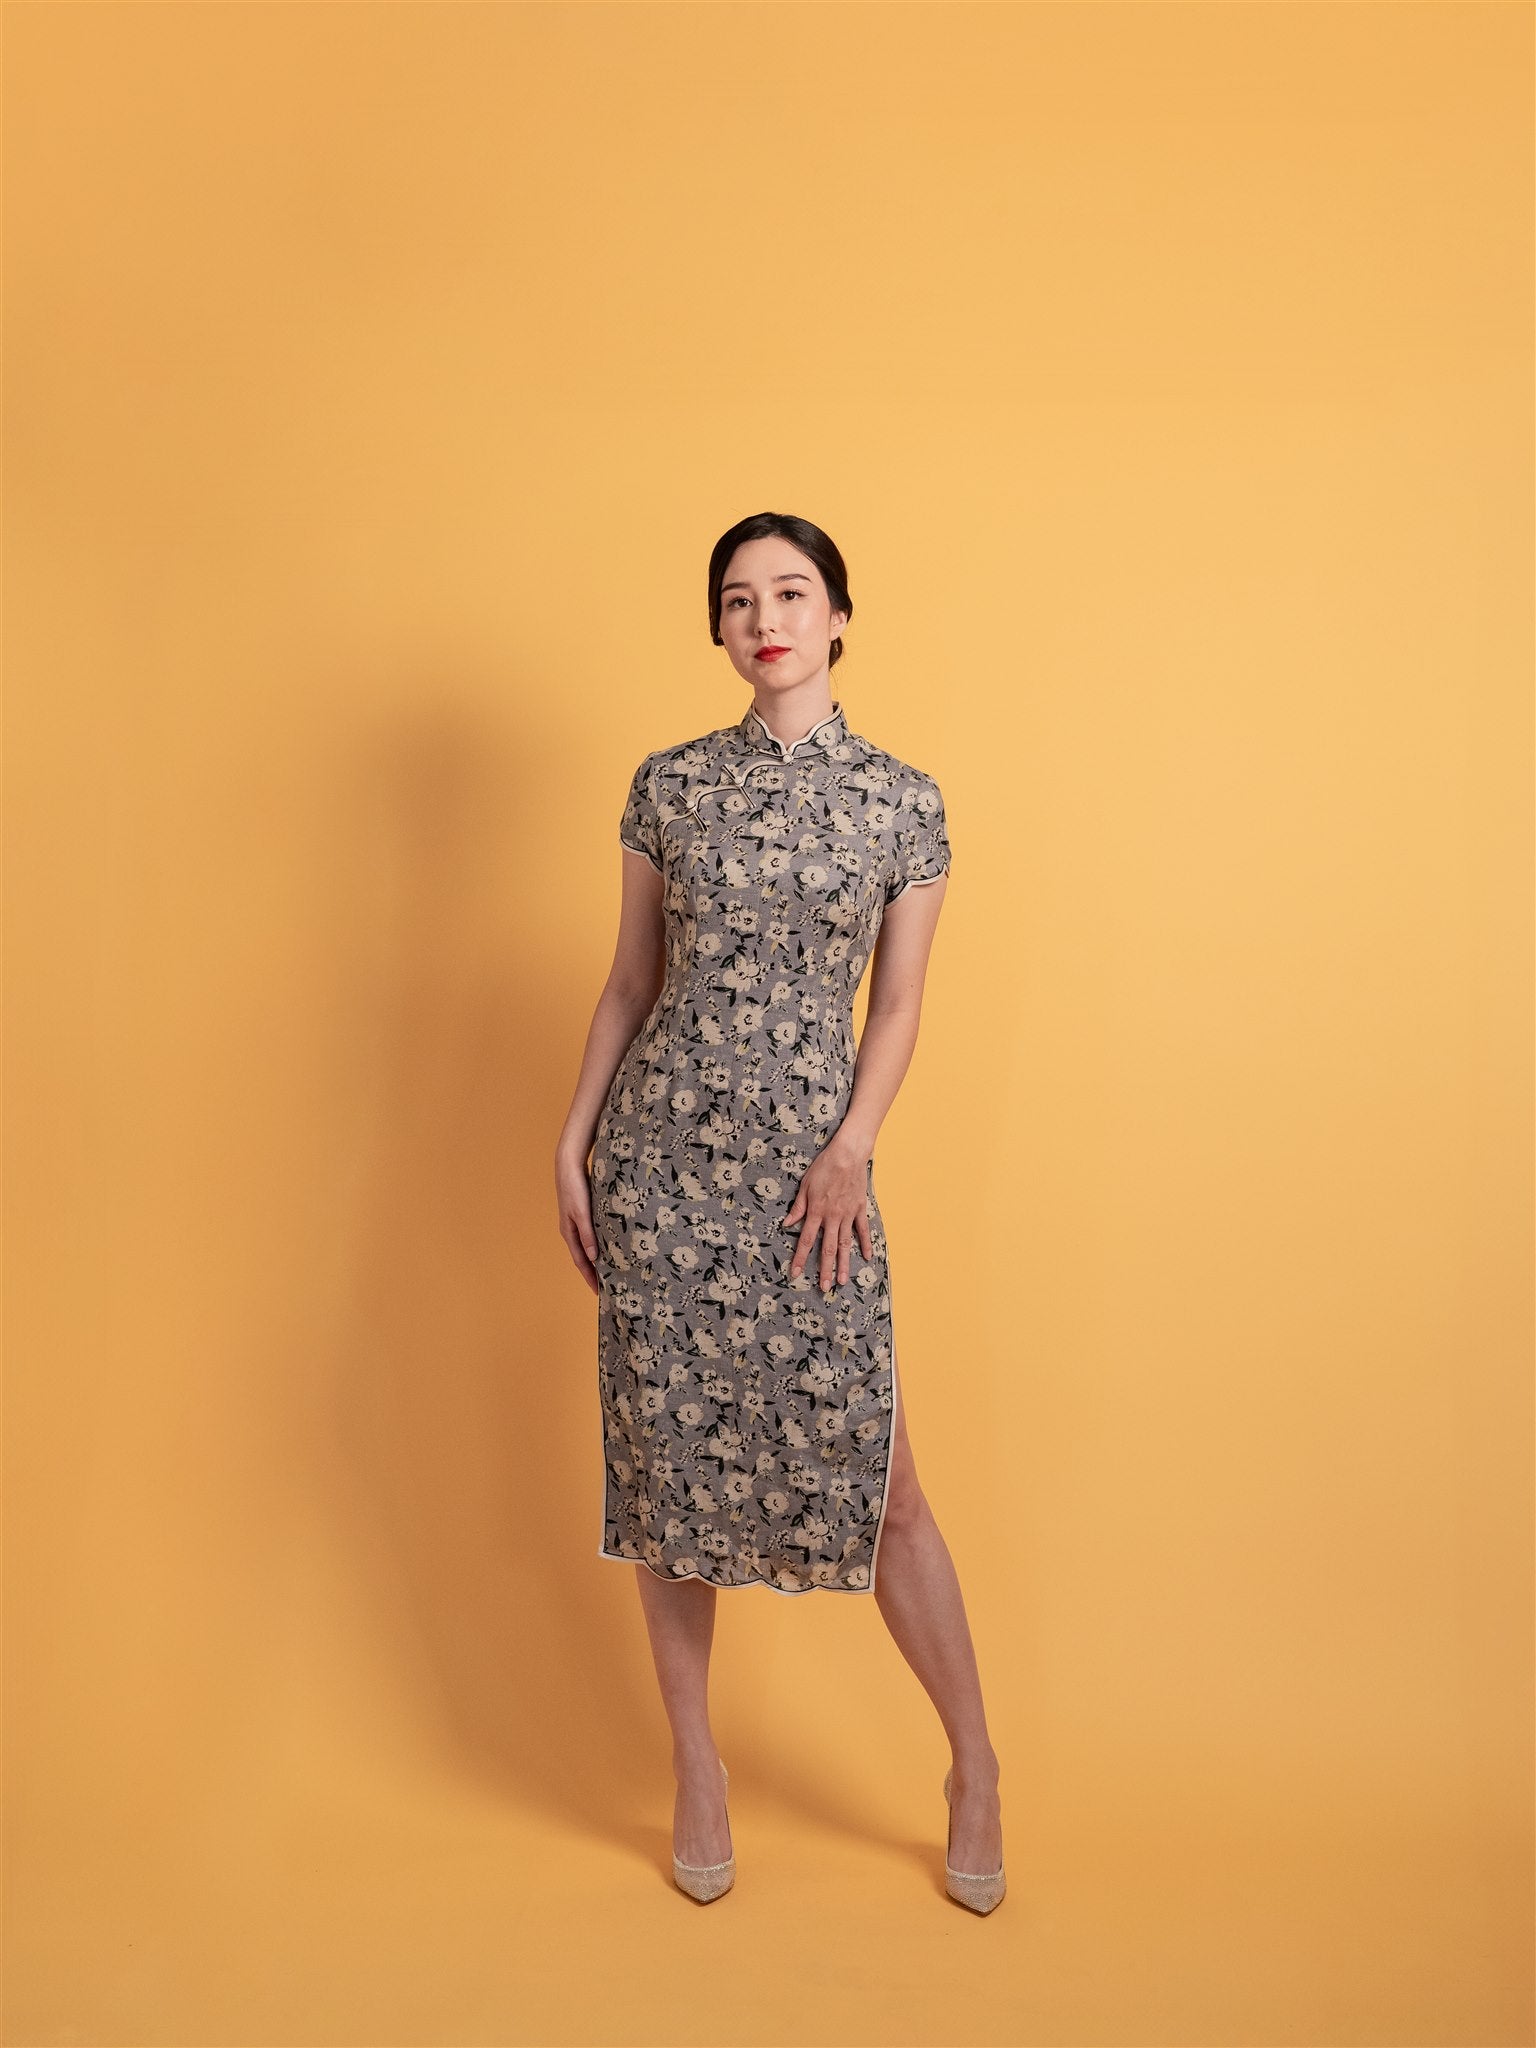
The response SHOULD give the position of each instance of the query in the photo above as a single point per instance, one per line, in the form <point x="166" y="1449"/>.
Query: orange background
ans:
<point x="379" y="378"/>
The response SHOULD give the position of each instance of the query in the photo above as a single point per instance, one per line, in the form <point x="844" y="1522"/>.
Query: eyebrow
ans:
<point x="791" y="576"/>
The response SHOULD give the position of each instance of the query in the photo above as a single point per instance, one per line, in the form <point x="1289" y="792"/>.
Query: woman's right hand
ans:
<point x="574" y="1194"/>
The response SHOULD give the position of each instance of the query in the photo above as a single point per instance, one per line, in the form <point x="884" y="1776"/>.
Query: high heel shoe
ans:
<point x="981" y="1894"/>
<point x="706" y="1881"/>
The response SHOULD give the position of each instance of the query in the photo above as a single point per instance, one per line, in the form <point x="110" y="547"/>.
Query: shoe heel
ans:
<point x="706" y="1881"/>
<point x="981" y="1894"/>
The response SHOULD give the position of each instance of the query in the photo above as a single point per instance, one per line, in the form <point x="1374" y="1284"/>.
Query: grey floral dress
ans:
<point x="748" y="1417"/>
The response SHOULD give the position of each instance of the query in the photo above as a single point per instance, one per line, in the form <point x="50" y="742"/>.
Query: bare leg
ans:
<point x="918" y="1594"/>
<point x="680" y="1619"/>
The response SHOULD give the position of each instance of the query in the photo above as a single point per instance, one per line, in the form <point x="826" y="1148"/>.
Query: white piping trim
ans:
<point x="737" y="1586"/>
<point x="918" y="882"/>
<point x="656" y="864"/>
<point x="890" y="1452"/>
<point x="691" y="804"/>
<point x="784" y="752"/>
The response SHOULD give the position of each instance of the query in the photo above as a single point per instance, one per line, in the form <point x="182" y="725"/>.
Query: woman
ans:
<point x="754" y="1432"/>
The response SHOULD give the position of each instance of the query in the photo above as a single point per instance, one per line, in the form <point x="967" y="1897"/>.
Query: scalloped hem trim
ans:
<point x="733" y="1585"/>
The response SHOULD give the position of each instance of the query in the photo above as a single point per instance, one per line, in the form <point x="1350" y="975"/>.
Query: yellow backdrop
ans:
<point x="379" y="379"/>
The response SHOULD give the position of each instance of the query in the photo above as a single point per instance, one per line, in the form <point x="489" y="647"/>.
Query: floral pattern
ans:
<point x="748" y="1417"/>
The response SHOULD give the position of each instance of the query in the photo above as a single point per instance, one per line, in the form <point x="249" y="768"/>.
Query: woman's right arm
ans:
<point x="629" y="994"/>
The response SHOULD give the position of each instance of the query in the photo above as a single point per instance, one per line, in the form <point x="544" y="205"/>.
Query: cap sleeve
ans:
<point x="922" y="839"/>
<point x="640" y="826"/>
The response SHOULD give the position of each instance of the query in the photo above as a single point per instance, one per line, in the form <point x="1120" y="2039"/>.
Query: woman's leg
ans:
<point x="919" y="1597"/>
<point x="680" y="1619"/>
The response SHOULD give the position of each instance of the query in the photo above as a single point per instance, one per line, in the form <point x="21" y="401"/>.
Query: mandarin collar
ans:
<point x="830" y="731"/>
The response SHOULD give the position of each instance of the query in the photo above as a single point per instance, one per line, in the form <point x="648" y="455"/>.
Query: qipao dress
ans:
<point x="747" y="1417"/>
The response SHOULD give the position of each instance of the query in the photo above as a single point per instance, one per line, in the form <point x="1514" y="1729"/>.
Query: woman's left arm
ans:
<point x="833" y="1201"/>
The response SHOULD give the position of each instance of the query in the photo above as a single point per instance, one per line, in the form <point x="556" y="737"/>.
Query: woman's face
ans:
<point x="773" y="596"/>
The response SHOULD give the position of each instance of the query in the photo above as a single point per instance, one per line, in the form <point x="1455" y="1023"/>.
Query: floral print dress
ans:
<point x="748" y="1417"/>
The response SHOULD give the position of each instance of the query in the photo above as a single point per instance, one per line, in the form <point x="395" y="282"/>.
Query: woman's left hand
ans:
<point x="834" y="1203"/>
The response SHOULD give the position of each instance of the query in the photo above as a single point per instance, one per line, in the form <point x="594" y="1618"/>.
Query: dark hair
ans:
<point x="800" y="533"/>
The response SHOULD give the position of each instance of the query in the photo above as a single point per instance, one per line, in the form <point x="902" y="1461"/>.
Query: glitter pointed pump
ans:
<point x="706" y="1881"/>
<point x="981" y="1894"/>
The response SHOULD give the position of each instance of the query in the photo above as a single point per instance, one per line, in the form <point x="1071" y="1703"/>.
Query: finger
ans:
<point x="803" y="1245"/>
<point x="834" y="1256"/>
